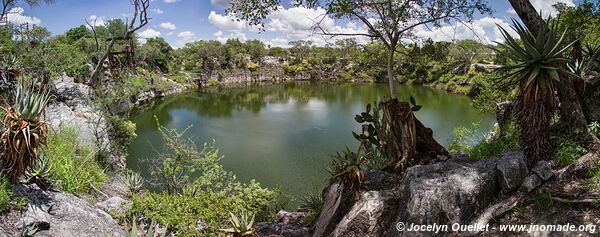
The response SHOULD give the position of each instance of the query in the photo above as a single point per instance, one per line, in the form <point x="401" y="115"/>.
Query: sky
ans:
<point x="183" y="21"/>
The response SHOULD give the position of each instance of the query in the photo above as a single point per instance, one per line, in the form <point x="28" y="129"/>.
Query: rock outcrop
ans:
<point x="452" y="191"/>
<point x="62" y="214"/>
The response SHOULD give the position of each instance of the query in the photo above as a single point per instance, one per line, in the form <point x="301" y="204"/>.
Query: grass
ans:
<point x="8" y="199"/>
<point x="74" y="167"/>
<point x="567" y="151"/>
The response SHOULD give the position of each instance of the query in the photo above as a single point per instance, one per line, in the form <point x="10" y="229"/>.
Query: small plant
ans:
<point x="152" y="231"/>
<point x="347" y="166"/>
<point x="312" y="204"/>
<point x="134" y="181"/>
<point x="241" y="225"/>
<point x="518" y="210"/>
<point x="25" y="132"/>
<point x="543" y="197"/>
<point x="39" y="174"/>
<point x="567" y="151"/>
<point x="28" y="230"/>
<point x="594" y="127"/>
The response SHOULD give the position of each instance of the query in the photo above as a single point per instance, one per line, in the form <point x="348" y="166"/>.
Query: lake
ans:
<point x="283" y="134"/>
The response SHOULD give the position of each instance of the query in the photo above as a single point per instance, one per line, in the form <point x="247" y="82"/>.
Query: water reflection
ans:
<point x="282" y="134"/>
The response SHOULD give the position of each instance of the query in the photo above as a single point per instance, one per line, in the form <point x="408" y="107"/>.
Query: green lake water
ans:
<point x="282" y="135"/>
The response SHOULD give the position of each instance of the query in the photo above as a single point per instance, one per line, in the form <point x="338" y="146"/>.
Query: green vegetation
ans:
<point x="74" y="166"/>
<point x="312" y="204"/>
<point x="8" y="199"/>
<point x="241" y="224"/>
<point x="478" y="146"/>
<point x="567" y="150"/>
<point x="536" y="75"/>
<point x="198" y="189"/>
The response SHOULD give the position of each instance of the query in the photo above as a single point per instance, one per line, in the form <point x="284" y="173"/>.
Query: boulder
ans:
<point x="114" y="204"/>
<point x="286" y="217"/>
<point x="365" y="217"/>
<point x="447" y="192"/>
<point x="512" y="170"/>
<point x="531" y="182"/>
<point x="281" y="230"/>
<point x="543" y="171"/>
<point x="58" y="213"/>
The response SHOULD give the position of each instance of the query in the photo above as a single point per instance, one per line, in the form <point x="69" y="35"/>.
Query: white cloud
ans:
<point x="168" y="26"/>
<point x="183" y="38"/>
<point x="157" y="11"/>
<point x="171" y="33"/>
<point x="220" y="3"/>
<point x="147" y="34"/>
<point x="225" y="22"/>
<point x="278" y="42"/>
<point x="16" y="16"/>
<point x="96" y="20"/>
<point x="484" y="30"/>
<point x="222" y="37"/>
<point x="170" y="1"/>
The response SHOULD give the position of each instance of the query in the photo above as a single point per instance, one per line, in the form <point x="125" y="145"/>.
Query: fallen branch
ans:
<point x="576" y="201"/>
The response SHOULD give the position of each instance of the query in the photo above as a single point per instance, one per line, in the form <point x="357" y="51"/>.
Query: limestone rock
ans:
<point x="62" y="213"/>
<point x="114" y="204"/>
<point x="512" y="170"/>
<point x="543" y="170"/>
<point x="281" y="230"/>
<point x="68" y="91"/>
<point x="336" y="203"/>
<point x="531" y="182"/>
<point x="290" y="217"/>
<point x="364" y="219"/>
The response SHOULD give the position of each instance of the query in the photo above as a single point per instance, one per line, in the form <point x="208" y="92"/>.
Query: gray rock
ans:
<point x="504" y="113"/>
<point x="512" y="170"/>
<point x="531" y="182"/>
<point x="447" y="192"/>
<point x="70" y="92"/>
<point x="336" y="203"/>
<point x="281" y="230"/>
<point x="121" y="107"/>
<point x="364" y="218"/>
<point x="290" y="217"/>
<point x="144" y="96"/>
<point x="543" y="170"/>
<point x="65" y="214"/>
<point x="114" y="204"/>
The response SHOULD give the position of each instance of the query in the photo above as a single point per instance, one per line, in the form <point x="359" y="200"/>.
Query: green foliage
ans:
<point x="8" y="199"/>
<point x="199" y="189"/>
<point x="594" y="128"/>
<point x="477" y="146"/>
<point x="134" y="181"/>
<point x="74" y="167"/>
<point x="566" y="150"/>
<point x="299" y="68"/>
<point x="40" y="174"/>
<point x="311" y="203"/>
<point x="348" y="167"/>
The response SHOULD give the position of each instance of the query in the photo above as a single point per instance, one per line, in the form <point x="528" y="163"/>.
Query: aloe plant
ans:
<point x="539" y="65"/>
<point x="134" y="181"/>
<point x="24" y="131"/>
<point x="241" y="224"/>
<point x="39" y="174"/>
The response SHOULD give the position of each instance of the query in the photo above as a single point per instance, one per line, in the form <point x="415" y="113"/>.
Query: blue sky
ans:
<point x="182" y="21"/>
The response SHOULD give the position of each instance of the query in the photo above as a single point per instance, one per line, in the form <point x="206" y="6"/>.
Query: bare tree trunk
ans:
<point x="401" y="123"/>
<point x="100" y="65"/>
<point x="390" y="72"/>
<point x="528" y="14"/>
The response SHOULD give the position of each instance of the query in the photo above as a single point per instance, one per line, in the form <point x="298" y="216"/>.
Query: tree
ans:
<point x="156" y="54"/>
<point x="7" y="5"/>
<point x="139" y="20"/>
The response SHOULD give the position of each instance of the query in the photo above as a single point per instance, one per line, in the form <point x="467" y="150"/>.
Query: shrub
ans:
<point x="7" y="197"/>
<point x="202" y="191"/>
<point x="74" y="168"/>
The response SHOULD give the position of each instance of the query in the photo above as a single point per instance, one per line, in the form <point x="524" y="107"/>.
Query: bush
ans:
<point x="74" y="168"/>
<point x="7" y="197"/>
<point x="201" y="191"/>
